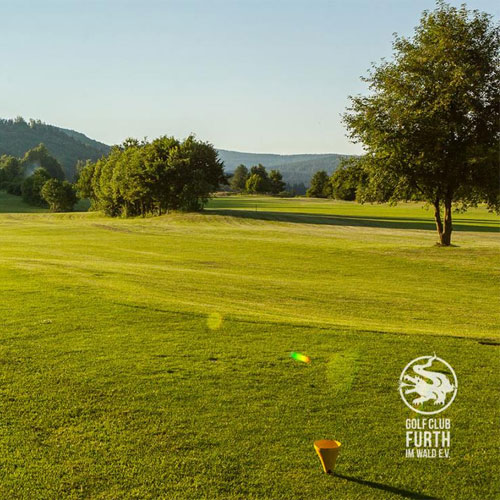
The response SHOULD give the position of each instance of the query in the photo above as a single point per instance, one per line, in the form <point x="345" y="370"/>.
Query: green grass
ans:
<point x="14" y="204"/>
<point x="10" y="203"/>
<point x="113" y="386"/>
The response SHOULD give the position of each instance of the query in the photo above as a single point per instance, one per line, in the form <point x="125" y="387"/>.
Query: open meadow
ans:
<point x="149" y="357"/>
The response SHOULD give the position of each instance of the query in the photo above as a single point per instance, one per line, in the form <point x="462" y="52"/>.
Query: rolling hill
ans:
<point x="18" y="136"/>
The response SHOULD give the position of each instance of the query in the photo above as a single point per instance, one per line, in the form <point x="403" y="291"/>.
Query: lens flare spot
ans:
<point x="297" y="356"/>
<point x="214" y="321"/>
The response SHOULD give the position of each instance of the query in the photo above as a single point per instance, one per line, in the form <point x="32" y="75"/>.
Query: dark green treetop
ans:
<point x="139" y="177"/>
<point x="320" y="185"/>
<point x="40" y="157"/>
<point x="60" y="196"/>
<point x="276" y="182"/>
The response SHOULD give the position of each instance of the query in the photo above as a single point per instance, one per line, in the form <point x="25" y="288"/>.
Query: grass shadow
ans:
<point x="354" y="220"/>
<point x="384" y="487"/>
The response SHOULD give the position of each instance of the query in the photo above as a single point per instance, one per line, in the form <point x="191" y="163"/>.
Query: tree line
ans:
<point x="257" y="180"/>
<point x="140" y="177"/>
<point x="135" y="178"/>
<point x="39" y="178"/>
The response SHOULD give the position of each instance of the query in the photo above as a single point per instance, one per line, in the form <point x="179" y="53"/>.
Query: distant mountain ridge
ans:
<point x="295" y="169"/>
<point x="69" y="146"/>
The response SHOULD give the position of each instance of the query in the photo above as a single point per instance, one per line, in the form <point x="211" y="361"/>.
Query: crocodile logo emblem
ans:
<point x="430" y="380"/>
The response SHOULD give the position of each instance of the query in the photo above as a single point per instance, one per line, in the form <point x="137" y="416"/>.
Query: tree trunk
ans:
<point x="437" y="217"/>
<point x="446" y="238"/>
<point x="444" y="230"/>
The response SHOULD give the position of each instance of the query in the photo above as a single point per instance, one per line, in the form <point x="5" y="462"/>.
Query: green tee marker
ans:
<point x="300" y="357"/>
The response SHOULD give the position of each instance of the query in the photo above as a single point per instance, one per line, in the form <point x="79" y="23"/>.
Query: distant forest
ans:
<point x="67" y="146"/>
<point x="295" y="169"/>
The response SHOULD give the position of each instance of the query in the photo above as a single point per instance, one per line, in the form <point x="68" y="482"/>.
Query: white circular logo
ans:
<point x="426" y="383"/>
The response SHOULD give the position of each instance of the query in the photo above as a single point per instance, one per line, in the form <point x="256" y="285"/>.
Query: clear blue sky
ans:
<point x="258" y="76"/>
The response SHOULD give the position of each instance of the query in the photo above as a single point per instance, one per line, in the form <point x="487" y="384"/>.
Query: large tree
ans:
<point x="430" y="125"/>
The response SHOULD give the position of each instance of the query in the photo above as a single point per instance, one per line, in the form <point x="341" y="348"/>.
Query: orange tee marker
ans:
<point x="328" y="452"/>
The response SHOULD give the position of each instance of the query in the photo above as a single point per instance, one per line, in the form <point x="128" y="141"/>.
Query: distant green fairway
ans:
<point x="114" y="386"/>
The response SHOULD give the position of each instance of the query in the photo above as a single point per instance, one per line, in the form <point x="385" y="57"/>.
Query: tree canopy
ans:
<point x="320" y="185"/>
<point x="25" y="177"/>
<point x="40" y="157"/>
<point x="239" y="178"/>
<point x="430" y="125"/>
<point x="346" y="180"/>
<point x="139" y="178"/>
<point x="276" y="183"/>
<point x="32" y="186"/>
<point x="255" y="184"/>
<point x="60" y="196"/>
<point x="257" y="180"/>
<point x="11" y="174"/>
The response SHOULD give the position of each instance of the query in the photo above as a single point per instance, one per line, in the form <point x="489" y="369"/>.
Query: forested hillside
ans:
<point x="67" y="146"/>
